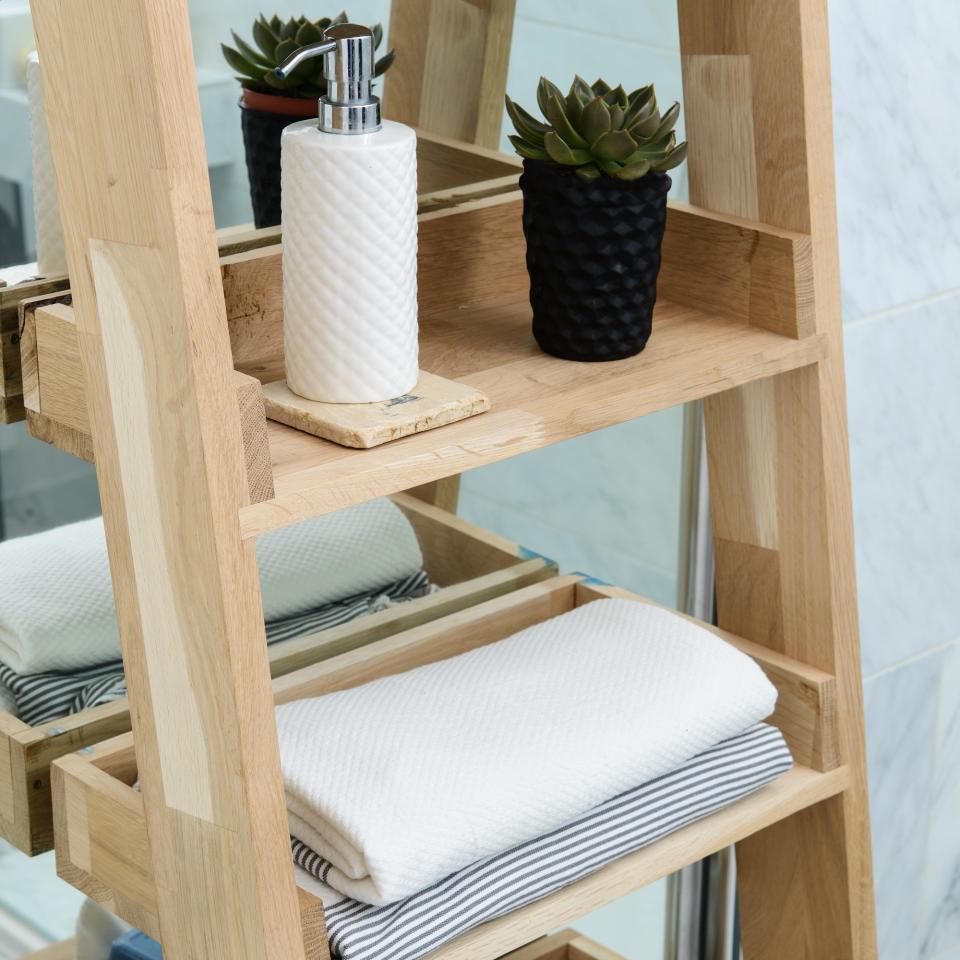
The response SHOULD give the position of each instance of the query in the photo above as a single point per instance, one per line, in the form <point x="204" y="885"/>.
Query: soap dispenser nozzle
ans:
<point x="348" y="106"/>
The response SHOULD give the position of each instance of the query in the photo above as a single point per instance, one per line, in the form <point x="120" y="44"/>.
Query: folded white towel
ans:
<point x="56" y="600"/>
<point x="405" y="780"/>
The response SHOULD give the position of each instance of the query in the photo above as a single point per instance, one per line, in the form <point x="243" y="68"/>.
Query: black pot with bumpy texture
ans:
<point x="261" y="141"/>
<point x="593" y="255"/>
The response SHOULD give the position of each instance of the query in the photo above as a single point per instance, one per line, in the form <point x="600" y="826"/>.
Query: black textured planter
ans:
<point x="262" y="130"/>
<point x="593" y="255"/>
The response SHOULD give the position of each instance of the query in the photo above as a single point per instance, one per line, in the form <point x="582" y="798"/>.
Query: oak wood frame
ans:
<point x="757" y="97"/>
<point x="101" y="838"/>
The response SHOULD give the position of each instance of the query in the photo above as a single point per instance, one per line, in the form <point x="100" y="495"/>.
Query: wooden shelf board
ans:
<point x="65" y="950"/>
<point x="536" y="400"/>
<point x="794" y="791"/>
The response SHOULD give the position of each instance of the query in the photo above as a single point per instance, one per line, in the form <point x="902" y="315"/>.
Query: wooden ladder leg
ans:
<point x="131" y="168"/>
<point x="757" y="101"/>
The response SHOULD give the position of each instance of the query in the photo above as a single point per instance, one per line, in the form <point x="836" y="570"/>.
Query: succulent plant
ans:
<point x="598" y="130"/>
<point x="274" y="40"/>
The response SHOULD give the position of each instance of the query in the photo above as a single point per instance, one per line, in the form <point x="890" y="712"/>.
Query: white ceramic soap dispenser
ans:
<point x="349" y="201"/>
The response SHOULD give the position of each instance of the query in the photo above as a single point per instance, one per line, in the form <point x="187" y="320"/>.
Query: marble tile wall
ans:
<point x="900" y="270"/>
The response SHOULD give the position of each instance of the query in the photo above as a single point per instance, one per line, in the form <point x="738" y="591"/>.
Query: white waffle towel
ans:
<point x="405" y="780"/>
<point x="56" y="599"/>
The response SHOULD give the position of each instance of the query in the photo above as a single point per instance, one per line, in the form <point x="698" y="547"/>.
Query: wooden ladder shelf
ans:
<point x="134" y="363"/>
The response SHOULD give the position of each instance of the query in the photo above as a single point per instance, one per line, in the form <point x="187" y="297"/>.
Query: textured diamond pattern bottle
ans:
<point x="349" y="198"/>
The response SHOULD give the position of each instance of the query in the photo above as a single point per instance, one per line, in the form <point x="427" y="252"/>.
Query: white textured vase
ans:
<point x="350" y="263"/>
<point x="51" y="257"/>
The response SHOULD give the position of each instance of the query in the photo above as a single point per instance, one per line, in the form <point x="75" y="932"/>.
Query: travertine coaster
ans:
<point x="434" y="402"/>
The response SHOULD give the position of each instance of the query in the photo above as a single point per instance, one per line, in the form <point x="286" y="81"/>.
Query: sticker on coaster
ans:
<point x="433" y="402"/>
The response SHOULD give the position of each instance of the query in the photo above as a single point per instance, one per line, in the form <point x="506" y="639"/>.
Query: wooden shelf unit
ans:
<point x="749" y="320"/>
<point x="103" y="846"/>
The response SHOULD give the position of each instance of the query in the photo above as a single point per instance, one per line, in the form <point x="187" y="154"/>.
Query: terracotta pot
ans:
<point x="593" y="255"/>
<point x="263" y="117"/>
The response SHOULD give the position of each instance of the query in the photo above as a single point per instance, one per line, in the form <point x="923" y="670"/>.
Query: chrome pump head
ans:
<point x="348" y="63"/>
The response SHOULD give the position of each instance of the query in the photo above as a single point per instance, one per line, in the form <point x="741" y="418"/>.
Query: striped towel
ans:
<point x="57" y="611"/>
<point x="497" y="885"/>
<point x="42" y="697"/>
<point x="411" y="777"/>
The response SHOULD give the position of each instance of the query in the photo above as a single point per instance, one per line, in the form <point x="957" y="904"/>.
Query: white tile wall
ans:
<point x="896" y="101"/>
<point x="940" y="909"/>
<point x="900" y="269"/>
<point x="904" y="396"/>
<point x="901" y="709"/>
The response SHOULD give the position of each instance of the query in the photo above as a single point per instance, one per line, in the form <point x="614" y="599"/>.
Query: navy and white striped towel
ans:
<point x="496" y="885"/>
<point x="41" y="697"/>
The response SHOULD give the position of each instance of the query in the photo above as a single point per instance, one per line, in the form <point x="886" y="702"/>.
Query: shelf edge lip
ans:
<point x="297" y="506"/>
<point x="486" y="942"/>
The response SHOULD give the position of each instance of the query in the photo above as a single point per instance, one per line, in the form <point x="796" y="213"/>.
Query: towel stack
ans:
<point x="59" y="640"/>
<point x="426" y="803"/>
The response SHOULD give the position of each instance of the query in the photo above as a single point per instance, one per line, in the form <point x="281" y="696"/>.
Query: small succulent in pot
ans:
<point x="273" y="41"/>
<point x="268" y="103"/>
<point x="595" y="190"/>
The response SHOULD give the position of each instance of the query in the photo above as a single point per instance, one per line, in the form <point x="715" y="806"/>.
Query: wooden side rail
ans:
<point x="55" y="399"/>
<point x="101" y="837"/>
<point x="108" y="852"/>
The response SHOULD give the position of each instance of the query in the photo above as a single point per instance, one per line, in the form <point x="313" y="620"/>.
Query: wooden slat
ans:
<point x="724" y="265"/>
<point x="564" y="945"/>
<point x="794" y="791"/>
<point x="583" y="948"/>
<point x="442" y="493"/>
<point x="128" y="149"/>
<point x="11" y="386"/>
<point x="56" y="401"/>
<point x="14" y="790"/>
<point x="452" y="74"/>
<point x="757" y="90"/>
<point x="60" y="389"/>
<point x="296" y="654"/>
<point x="449" y="637"/>
<point x="254" y="437"/>
<point x="553" y="947"/>
<point x="65" y="950"/>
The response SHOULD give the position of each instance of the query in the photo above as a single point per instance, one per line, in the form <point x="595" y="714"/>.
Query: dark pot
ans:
<point x="263" y="118"/>
<point x="593" y="255"/>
